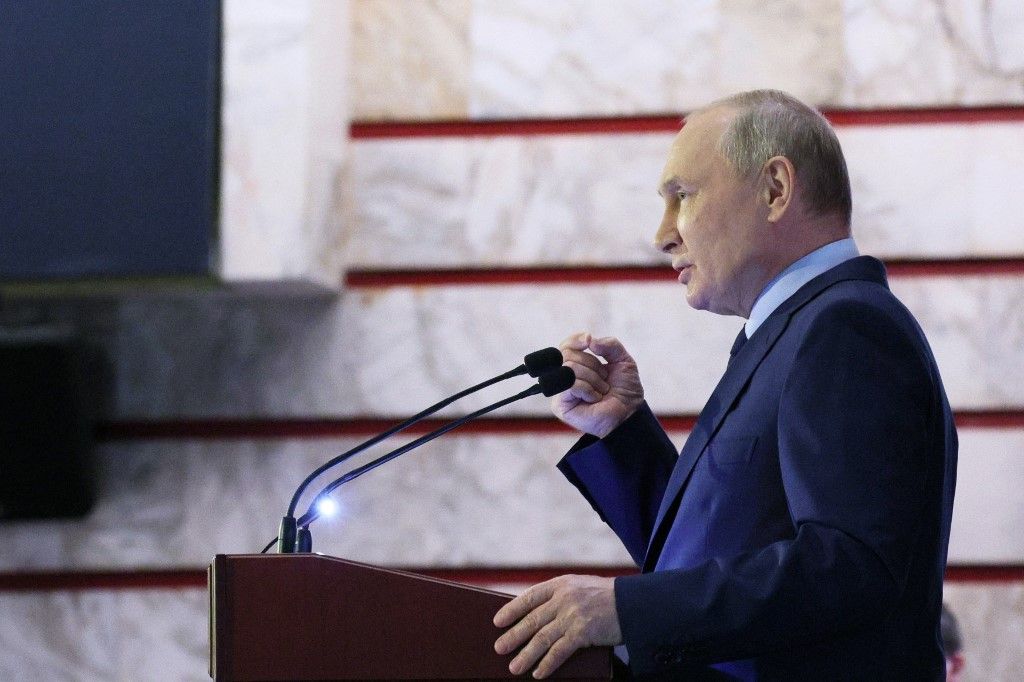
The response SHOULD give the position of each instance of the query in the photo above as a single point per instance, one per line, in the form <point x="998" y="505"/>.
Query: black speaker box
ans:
<point x="45" y="430"/>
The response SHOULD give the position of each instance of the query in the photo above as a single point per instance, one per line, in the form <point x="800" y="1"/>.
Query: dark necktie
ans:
<point x="741" y="339"/>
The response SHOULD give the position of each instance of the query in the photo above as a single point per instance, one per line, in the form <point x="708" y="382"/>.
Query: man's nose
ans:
<point x="667" y="238"/>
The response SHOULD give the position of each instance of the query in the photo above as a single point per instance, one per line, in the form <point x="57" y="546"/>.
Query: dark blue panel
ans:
<point x="108" y="137"/>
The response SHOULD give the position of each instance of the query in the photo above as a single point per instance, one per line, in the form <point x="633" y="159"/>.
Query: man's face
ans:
<point x="714" y="223"/>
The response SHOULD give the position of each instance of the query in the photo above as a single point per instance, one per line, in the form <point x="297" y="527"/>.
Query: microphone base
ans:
<point x="286" y="535"/>
<point x="304" y="541"/>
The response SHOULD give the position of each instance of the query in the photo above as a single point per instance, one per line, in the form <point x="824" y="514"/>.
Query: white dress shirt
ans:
<point x="789" y="281"/>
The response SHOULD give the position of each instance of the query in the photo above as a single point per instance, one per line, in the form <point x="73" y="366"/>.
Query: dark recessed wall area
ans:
<point x="109" y="121"/>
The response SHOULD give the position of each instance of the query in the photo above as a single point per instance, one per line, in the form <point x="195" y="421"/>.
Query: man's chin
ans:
<point x="699" y="300"/>
<point x="694" y="299"/>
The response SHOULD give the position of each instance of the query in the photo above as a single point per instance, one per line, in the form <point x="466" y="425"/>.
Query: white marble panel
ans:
<point x="976" y="334"/>
<point x="927" y="191"/>
<point x="586" y="57"/>
<point x="284" y="132"/>
<point x="988" y="514"/>
<point x="920" y="191"/>
<point x="383" y="352"/>
<point x="464" y="500"/>
<point x="104" y="636"/>
<point x="410" y="59"/>
<point x="927" y="53"/>
<point x="991" y="619"/>
<point x="792" y="45"/>
<point x="528" y="58"/>
<point x="449" y="202"/>
<point x="394" y="351"/>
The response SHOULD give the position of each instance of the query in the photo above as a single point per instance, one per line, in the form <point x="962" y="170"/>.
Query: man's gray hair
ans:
<point x="773" y="123"/>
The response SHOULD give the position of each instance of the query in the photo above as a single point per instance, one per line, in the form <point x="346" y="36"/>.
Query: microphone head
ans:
<point x="540" y="361"/>
<point x="556" y="380"/>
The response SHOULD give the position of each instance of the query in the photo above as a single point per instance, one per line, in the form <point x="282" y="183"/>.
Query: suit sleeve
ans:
<point x="855" y="454"/>
<point x="624" y="475"/>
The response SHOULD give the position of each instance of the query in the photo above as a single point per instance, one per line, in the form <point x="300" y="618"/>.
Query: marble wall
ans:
<point x="532" y="58"/>
<point x="590" y="199"/>
<point x="300" y="201"/>
<point x="393" y="350"/>
<point x="284" y="129"/>
<point x="419" y="49"/>
<point x="104" y="635"/>
<point x="462" y="501"/>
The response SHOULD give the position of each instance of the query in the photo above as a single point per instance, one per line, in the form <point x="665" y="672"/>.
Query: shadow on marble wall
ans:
<point x="393" y="350"/>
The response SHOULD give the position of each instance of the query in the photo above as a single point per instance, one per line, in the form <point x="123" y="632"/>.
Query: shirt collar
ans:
<point x="799" y="273"/>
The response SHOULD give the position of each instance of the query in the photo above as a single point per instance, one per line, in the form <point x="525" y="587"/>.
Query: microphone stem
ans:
<point x="395" y="429"/>
<point x="312" y="514"/>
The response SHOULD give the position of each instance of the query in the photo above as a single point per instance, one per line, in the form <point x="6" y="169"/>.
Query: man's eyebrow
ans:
<point x="670" y="185"/>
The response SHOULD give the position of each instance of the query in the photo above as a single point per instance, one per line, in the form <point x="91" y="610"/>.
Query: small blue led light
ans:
<point x="327" y="507"/>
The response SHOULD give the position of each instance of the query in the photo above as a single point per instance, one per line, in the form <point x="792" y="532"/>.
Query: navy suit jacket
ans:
<point x="802" y="531"/>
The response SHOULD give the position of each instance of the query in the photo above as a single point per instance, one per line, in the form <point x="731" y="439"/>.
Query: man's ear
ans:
<point x="779" y="178"/>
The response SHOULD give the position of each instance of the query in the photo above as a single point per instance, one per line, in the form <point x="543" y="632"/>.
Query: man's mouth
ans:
<point x="684" y="273"/>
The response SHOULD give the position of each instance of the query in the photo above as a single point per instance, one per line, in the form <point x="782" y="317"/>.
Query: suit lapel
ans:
<point x="721" y="401"/>
<point x="736" y="376"/>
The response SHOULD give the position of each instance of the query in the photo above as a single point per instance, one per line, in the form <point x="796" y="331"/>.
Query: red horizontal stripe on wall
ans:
<point x="193" y="578"/>
<point x="511" y="275"/>
<point x="984" y="574"/>
<point x="925" y="116"/>
<point x="962" y="267"/>
<point x="989" y="419"/>
<point x="664" y="123"/>
<point x="362" y="130"/>
<point x="256" y="428"/>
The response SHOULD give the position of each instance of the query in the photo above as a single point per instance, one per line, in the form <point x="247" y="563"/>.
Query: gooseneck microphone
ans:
<point x="551" y="383"/>
<point x="536" y="364"/>
<point x="294" y="533"/>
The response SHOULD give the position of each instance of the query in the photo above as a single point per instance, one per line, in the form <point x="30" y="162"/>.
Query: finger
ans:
<point x="538" y="646"/>
<point x="558" y="654"/>
<point x="587" y="359"/>
<point x="526" y="628"/>
<point x="589" y="376"/>
<point x="584" y="392"/>
<point x="577" y="341"/>
<point x="565" y="402"/>
<point x="611" y="349"/>
<point x="523" y="604"/>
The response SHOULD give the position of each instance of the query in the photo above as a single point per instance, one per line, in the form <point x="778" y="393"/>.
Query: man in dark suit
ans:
<point x="802" y="531"/>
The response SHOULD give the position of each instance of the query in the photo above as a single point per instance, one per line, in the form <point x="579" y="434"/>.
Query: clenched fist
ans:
<point x="605" y="393"/>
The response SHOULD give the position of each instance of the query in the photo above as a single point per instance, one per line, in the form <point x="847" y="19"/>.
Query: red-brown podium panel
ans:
<point x="313" y="617"/>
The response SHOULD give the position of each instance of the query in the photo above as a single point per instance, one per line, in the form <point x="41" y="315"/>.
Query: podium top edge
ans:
<point x="315" y="557"/>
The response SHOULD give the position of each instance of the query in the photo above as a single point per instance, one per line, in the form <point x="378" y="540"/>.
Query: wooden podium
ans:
<point x="314" y="617"/>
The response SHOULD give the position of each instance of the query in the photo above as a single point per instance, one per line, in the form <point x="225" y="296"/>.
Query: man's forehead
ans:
<point x="695" y="146"/>
<point x="706" y="126"/>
